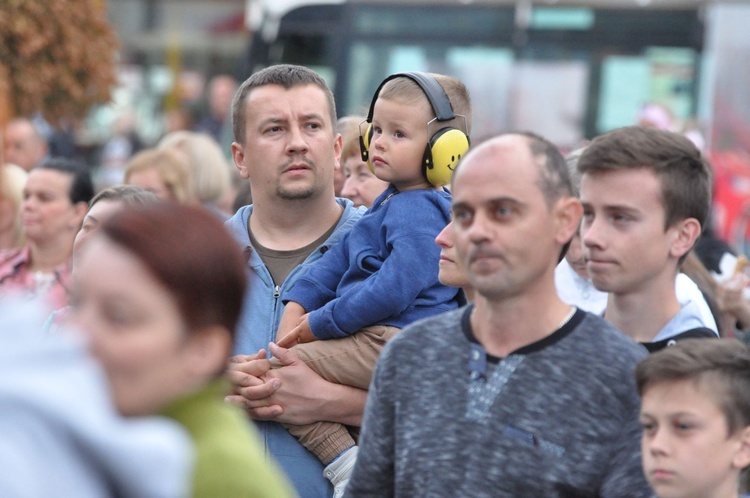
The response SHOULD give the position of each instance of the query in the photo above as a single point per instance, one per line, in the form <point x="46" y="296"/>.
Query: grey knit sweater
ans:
<point x="556" y="418"/>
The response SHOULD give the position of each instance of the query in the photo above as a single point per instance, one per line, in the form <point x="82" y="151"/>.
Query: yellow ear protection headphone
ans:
<point x="444" y="148"/>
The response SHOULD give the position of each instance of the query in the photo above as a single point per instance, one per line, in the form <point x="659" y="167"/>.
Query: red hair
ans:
<point x="190" y="252"/>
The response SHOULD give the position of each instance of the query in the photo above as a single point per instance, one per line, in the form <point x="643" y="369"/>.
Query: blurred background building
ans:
<point x="566" y="69"/>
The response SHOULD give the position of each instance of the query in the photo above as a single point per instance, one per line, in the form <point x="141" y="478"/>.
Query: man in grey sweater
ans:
<point x="520" y="394"/>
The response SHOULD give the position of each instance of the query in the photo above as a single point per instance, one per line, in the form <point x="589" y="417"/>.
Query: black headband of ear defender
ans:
<point x="439" y="101"/>
<point x="435" y="93"/>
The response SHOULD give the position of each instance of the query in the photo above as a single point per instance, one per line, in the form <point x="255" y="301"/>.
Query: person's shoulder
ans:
<point x="420" y="207"/>
<point x="439" y="196"/>
<point x="605" y="343"/>
<point x="694" y="333"/>
<point x="237" y="223"/>
<point x="351" y="215"/>
<point x="12" y="254"/>
<point x="240" y="216"/>
<point x="434" y="332"/>
<point x="12" y="258"/>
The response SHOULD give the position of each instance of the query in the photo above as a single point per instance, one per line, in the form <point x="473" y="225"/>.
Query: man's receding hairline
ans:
<point x="325" y="113"/>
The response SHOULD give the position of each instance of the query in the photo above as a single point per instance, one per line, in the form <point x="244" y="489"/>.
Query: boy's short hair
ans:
<point x="406" y="91"/>
<point x="724" y="364"/>
<point x="685" y="176"/>
<point x="284" y="75"/>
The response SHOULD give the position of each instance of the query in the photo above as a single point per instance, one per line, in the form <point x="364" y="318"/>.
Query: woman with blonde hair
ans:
<point x="163" y="172"/>
<point x="208" y="167"/>
<point x="12" y="181"/>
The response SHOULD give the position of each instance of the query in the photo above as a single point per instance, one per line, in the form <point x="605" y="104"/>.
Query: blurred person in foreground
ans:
<point x="104" y="204"/>
<point x="55" y="200"/>
<point x="12" y="181"/>
<point x="60" y="433"/>
<point x="158" y="305"/>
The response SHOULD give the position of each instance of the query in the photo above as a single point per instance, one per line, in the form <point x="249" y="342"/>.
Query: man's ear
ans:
<point x="686" y="232"/>
<point x="238" y="156"/>
<point x="568" y="212"/>
<point x="742" y="456"/>
<point x="338" y="145"/>
<point x="208" y="350"/>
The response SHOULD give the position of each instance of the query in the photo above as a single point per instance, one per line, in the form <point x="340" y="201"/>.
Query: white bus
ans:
<point x="566" y="69"/>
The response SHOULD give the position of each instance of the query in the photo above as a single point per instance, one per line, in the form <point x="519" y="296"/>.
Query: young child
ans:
<point x="384" y="274"/>
<point x="695" y="414"/>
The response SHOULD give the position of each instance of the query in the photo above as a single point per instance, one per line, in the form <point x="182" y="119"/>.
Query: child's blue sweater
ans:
<point x="384" y="271"/>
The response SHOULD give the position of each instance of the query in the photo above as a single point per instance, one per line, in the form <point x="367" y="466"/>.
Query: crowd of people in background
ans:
<point x="280" y="302"/>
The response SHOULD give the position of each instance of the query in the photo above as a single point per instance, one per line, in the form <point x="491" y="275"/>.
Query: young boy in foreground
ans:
<point x="696" y="418"/>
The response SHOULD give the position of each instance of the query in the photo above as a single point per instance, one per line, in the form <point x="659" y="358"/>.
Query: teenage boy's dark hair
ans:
<point x="685" y="175"/>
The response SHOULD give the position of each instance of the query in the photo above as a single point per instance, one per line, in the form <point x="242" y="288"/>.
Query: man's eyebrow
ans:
<point x="271" y="120"/>
<point x="487" y="202"/>
<point x="612" y="207"/>
<point x="312" y="116"/>
<point x="459" y="205"/>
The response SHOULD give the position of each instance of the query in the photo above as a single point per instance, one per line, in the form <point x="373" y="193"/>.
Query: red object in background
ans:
<point x="731" y="216"/>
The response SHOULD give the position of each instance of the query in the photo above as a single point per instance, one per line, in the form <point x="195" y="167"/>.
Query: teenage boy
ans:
<point x="646" y="194"/>
<point x="383" y="274"/>
<point x="695" y="415"/>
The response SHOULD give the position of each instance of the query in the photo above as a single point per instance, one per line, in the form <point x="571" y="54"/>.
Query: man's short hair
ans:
<point x="82" y="187"/>
<point x="721" y="364"/>
<point x="685" y="176"/>
<point x="284" y="75"/>
<point x="407" y="91"/>
<point x="554" y="179"/>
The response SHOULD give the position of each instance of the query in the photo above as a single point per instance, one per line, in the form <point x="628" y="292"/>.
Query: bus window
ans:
<point x="662" y="75"/>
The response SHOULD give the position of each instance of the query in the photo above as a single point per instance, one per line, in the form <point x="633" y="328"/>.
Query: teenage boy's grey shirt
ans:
<point x="556" y="418"/>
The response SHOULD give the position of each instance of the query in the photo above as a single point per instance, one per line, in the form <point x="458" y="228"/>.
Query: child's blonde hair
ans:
<point x="407" y="91"/>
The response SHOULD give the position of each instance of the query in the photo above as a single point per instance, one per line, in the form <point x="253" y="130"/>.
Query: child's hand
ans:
<point x="298" y="335"/>
<point x="293" y="313"/>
